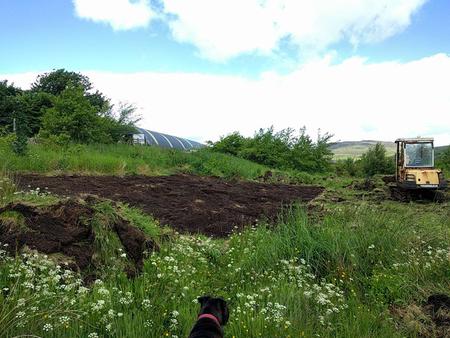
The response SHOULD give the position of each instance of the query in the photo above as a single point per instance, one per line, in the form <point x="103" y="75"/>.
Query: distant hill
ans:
<point x="441" y="149"/>
<point x="355" y="149"/>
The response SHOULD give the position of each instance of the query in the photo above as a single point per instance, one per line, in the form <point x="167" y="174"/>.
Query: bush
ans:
<point x="62" y="103"/>
<point x="231" y="144"/>
<point x="74" y="118"/>
<point x="348" y="167"/>
<point x="19" y="144"/>
<point x="375" y="161"/>
<point x="443" y="160"/>
<point x="281" y="150"/>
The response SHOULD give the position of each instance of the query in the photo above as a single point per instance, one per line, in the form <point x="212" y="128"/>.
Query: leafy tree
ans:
<point x="269" y="148"/>
<point x="20" y="142"/>
<point x="126" y="113"/>
<point x="349" y="166"/>
<point x="73" y="116"/>
<point x="375" y="161"/>
<point x="29" y="105"/>
<point x="311" y="156"/>
<point x="231" y="144"/>
<point x="33" y="105"/>
<point x="8" y="104"/>
<point x="57" y="81"/>
<point x="22" y="129"/>
<point x="119" y="122"/>
<point x="443" y="160"/>
<point x="61" y="106"/>
<point x="283" y="149"/>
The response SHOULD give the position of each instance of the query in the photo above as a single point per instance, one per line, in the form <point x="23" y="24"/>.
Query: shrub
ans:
<point x="231" y="144"/>
<point x="281" y="150"/>
<point x="19" y="145"/>
<point x="62" y="103"/>
<point x="349" y="166"/>
<point x="375" y="161"/>
<point x="443" y="160"/>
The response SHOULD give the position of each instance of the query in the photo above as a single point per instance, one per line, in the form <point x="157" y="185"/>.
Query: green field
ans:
<point x="352" y="264"/>
<point x="355" y="149"/>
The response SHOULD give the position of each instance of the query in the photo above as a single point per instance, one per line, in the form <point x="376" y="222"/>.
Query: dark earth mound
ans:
<point x="432" y="319"/>
<point x="65" y="228"/>
<point x="189" y="203"/>
<point x="438" y="308"/>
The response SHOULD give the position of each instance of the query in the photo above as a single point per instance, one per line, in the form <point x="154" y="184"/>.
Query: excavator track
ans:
<point x="406" y="195"/>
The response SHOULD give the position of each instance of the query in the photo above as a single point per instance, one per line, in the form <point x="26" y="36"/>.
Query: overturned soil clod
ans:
<point x="65" y="229"/>
<point x="432" y="319"/>
<point x="366" y="185"/>
<point x="189" y="203"/>
<point x="61" y="228"/>
<point x="438" y="308"/>
<point x="135" y="242"/>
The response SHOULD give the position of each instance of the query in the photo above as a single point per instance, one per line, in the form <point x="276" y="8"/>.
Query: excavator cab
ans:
<point x="415" y="165"/>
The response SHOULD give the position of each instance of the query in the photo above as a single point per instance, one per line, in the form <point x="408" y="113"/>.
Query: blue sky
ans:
<point x="41" y="35"/>
<point x="214" y="47"/>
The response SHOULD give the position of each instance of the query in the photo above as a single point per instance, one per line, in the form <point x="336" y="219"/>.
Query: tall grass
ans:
<point x="121" y="159"/>
<point x="334" y="278"/>
<point x="7" y="187"/>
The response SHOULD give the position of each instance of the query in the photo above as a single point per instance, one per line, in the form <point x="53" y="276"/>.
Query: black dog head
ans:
<point x="215" y="306"/>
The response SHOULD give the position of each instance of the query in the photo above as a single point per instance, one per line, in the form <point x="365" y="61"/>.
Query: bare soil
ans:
<point x="432" y="319"/>
<point x="65" y="229"/>
<point x="190" y="204"/>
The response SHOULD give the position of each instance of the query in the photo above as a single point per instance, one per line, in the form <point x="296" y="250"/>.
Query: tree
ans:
<point x="269" y="148"/>
<point x="231" y="144"/>
<point x="443" y="159"/>
<point x="348" y="166"/>
<point x="8" y="104"/>
<point x="61" y="104"/>
<point x="283" y="149"/>
<point x="73" y="116"/>
<point x="375" y="161"/>
<point x="322" y="152"/>
<point x="307" y="155"/>
<point x="57" y="81"/>
<point x="120" y="122"/>
<point x="33" y="106"/>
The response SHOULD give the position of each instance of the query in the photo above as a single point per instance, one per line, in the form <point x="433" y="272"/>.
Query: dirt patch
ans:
<point x="193" y="204"/>
<point x="135" y="243"/>
<point x="438" y="308"/>
<point x="365" y="185"/>
<point x="432" y="319"/>
<point x="389" y="179"/>
<point x="65" y="228"/>
<point x="61" y="228"/>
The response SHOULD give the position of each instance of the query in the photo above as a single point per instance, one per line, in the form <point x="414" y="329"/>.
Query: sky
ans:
<point x="201" y="69"/>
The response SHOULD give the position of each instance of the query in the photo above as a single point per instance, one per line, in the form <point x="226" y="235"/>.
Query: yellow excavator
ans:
<point x="415" y="173"/>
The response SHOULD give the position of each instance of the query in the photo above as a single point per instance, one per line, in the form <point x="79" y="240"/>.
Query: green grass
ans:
<point x="337" y="277"/>
<point x="339" y="273"/>
<point x="122" y="159"/>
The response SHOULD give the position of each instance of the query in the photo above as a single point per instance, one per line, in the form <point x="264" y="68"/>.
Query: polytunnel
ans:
<point x="150" y="137"/>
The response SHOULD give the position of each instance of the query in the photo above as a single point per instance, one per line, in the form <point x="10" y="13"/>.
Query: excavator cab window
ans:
<point x="419" y="155"/>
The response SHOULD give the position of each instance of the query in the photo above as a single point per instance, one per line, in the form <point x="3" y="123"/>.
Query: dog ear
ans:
<point x="203" y="299"/>
<point x="225" y="313"/>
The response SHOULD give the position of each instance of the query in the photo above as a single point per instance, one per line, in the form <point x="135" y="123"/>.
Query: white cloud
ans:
<point x="120" y="14"/>
<point x="354" y="99"/>
<point x="224" y="29"/>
